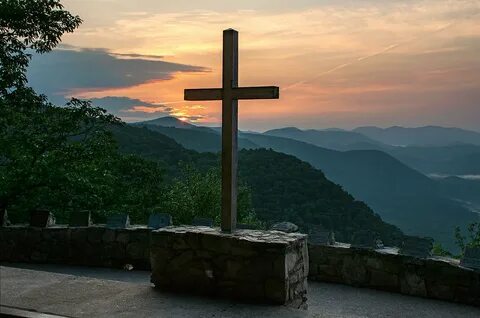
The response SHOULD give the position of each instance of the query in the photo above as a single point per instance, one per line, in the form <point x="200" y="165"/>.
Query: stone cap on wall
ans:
<point x="274" y="237"/>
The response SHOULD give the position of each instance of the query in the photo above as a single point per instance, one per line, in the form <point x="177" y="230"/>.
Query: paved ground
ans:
<point x="93" y="292"/>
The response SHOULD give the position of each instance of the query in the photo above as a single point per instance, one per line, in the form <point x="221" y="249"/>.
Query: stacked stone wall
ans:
<point x="438" y="278"/>
<point x="88" y="246"/>
<point x="260" y="266"/>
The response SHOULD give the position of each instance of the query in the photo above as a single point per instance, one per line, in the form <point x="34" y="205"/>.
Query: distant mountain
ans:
<point x="420" y="136"/>
<point x="286" y="188"/>
<point x="456" y="159"/>
<point x="331" y="138"/>
<point x="400" y="195"/>
<point x="452" y="159"/>
<point x="201" y="139"/>
<point x="168" y="121"/>
<point x="465" y="190"/>
<point x="283" y="187"/>
<point x="158" y="147"/>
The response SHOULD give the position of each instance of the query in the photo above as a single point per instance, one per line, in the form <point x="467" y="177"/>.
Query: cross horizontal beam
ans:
<point x="257" y="92"/>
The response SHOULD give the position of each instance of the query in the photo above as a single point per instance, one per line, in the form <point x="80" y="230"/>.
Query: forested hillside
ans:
<point x="399" y="194"/>
<point x="286" y="188"/>
<point x="282" y="186"/>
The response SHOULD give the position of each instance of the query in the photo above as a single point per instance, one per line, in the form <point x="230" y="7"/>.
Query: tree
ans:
<point x="25" y="25"/>
<point x="438" y="250"/>
<point x="472" y="239"/>
<point x="59" y="158"/>
<point x="197" y="193"/>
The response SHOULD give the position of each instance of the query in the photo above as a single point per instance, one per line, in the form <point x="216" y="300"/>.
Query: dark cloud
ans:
<point x="64" y="70"/>
<point x="116" y="103"/>
<point x="122" y="106"/>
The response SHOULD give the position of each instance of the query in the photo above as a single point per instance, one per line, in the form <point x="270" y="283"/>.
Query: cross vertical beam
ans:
<point x="230" y="93"/>
<point x="229" y="131"/>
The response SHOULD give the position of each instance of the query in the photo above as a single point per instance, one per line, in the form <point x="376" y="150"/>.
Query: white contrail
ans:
<point x="168" y="103"/>
<point x="382" y="51"/>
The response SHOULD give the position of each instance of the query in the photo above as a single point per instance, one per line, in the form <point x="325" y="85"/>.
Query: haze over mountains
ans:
<point x="391" y="179"/>
<point x="452" y="155"/>
<point x="420" y="136"/>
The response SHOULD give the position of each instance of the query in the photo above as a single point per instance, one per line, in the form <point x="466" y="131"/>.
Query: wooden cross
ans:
<point x="229" y="94"/>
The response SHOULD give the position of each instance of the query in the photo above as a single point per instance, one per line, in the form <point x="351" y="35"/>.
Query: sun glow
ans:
<point x="370" y="62"/>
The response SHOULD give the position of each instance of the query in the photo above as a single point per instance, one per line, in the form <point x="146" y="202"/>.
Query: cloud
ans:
<point x="132" y="109"/>
<point x="119" y="105"/>
<point x="64" y="71"/>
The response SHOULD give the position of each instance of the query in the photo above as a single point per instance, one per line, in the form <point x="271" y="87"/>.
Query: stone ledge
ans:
<point x="433" y="277"/>
<point x="90" y="246"/>
<point x="259" y="266"/>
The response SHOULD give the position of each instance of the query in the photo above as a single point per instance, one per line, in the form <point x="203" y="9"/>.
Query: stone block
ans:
<point x="79" y="235"/>
<point x="413" y="284"/>
<point x="354" y="270"/>
<point x="41" y="218"/>
<point x="122" y="236"/>
<point x="471" y="258"/>
<point x="159" y="220"/>
<point x="260" y="266"/>
<point x="136" y="250"/>
<point x="365" y="239"/>
<point x="417" y="246"/>
<point x="118" y="221"/>
<point x="109" y="236"/>
<point x="318" y="235"/>
<point x="286" y="227"/>
<point x="383" y="280"/>
<point x="80" y="219"/>
<point x="95" y="234"/>
<point x="140" y="235"/>
<point x="199" y="221"/>
<point x="3" y="217"/>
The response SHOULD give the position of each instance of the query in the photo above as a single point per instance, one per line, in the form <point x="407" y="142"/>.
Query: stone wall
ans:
<point x="439" y="278"/>
<point x="90" y="246"/>
<point x="260" y="266"/>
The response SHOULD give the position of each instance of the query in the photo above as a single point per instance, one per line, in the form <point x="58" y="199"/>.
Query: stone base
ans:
<point x="259" y="266"/>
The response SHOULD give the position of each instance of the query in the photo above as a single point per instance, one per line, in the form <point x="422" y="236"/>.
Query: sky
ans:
<point x="338" y="63"/>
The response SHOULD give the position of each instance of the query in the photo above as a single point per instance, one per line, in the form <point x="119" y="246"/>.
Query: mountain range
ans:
<point x="448" y="158"/>
<point x="283" y="188"/>
<point x="387" y="177"/>
<point x="420" y="136"/>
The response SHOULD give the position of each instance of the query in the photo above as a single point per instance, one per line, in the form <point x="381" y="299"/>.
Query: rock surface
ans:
<point x="260" y="266"/>
<point x="286" y="227"/>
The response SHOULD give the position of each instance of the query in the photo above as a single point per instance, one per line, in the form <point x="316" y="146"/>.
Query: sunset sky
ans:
<point x="338" y="63"/>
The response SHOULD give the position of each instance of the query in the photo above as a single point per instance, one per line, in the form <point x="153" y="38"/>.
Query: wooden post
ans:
<point x="229" y="131"/>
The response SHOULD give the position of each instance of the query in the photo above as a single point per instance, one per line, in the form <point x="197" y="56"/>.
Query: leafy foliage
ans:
<point x="438" y="250"/>
<point x="29" y="24"/>
<point x="59" y="158"/>
<point x="288" y="189"/>
<point x="472" y="239"/>
<point x="65" y="158"/>
<point x="197" y="193"/>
